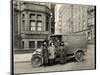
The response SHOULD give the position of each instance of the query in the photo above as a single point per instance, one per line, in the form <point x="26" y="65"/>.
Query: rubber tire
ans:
<point x="79" y="56"/>
<point x="36" y="61"/>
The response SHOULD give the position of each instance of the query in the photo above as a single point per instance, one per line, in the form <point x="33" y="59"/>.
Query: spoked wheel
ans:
<point x="79" y="56"/>
<point x="36" y="61"/>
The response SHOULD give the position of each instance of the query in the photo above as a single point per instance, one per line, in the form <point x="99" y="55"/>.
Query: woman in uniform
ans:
<point x="62" y="53"/>
<point x="51" y="51"/>
<point x="45" y="53"/>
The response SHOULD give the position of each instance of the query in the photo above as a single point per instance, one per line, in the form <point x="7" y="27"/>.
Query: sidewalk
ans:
<point x="22" y="57"/>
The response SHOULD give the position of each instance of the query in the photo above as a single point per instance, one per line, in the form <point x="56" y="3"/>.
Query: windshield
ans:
<point x="56" y="38"/>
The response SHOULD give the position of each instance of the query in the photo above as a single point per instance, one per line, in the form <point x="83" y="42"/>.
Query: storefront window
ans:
<point x="39" y="43"/>
<point x="22" y="44"/>
<point x="31" y="44"/>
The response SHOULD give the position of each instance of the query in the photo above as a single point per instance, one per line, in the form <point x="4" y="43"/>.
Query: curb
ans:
<point x="22" y="61"/>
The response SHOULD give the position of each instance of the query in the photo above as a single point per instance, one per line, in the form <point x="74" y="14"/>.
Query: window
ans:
<point x="89" y="35"/>
<point x="23" y="24"/>
<point x="39" y="17"/>
<point x="32" y="16"/>
<point x="39" y="43"/>
<point x="39" y="29"/>
<point x="23" y="16"/>
<point x="35" y="22"/>
<point x="33" y="25"/>
<point x="47" y="25"/>
<point x="31" y="44"/>
<point x="47" y="18"/>
<point x="22" y="44"/>
<point x="39" y="26"/>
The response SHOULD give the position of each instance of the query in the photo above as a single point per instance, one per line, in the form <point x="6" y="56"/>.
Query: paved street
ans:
<point x="88" y="63"/>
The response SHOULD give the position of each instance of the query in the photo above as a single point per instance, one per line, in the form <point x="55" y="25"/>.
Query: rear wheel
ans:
<point x="79" y="56"/>
<point x="36" y="61"/>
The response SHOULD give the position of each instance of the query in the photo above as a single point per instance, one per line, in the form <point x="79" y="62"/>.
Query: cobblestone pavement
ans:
<point x="88" y="63"/>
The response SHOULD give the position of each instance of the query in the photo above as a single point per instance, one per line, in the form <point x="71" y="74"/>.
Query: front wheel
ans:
<point x="79" y="56"/>
<point x="36" y="61"/>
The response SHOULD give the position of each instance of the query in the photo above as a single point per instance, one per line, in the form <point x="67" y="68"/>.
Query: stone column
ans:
<point x="26" y="44"/>
<point x="35" y="44"/>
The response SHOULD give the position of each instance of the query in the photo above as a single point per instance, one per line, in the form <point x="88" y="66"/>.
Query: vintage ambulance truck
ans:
<point x="74" y="44"/>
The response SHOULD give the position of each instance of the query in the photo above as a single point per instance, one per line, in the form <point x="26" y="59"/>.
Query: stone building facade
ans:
<point x="53" y="18"/>
<point x="91" y="23"/>
<point x="33" y="25"/>
<point x="16" y="24"/>
<point x="74" y="19"/>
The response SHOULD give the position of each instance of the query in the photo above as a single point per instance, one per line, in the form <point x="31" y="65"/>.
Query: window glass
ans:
<point x="39" y="43"/>
<point x="39" y="29"/>
<point x="23" y="16"/>
<point x="32" y="16"/>
<point x="39" y="26"/>
<point x="23" y="24"/>
<point x="39" y="17"/>
<point x="32" y="28"/>
<point x="47" y="18"/>
<point x="31" y="44"/>
<point x="35" y="24"/>
<point x="47" y="25"/>
<point x="32" y="23"/>
<point x="22" y="44"/>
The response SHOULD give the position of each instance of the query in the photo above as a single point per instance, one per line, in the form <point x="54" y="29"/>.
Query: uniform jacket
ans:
<point x="51" y="51"/>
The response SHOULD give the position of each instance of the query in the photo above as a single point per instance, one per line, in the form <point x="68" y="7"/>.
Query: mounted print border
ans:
<point x="52" y="37"/>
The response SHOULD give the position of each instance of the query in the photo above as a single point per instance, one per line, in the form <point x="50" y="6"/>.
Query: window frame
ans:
<point x="35" y="27"/>
<point x="31" y="26"/>
<point x="39" y="17"/>
<point x="32" y="45"/>
<point x="31" y="16"/>
<point x="39" y="26"/>
<point x="38" y="45"/>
